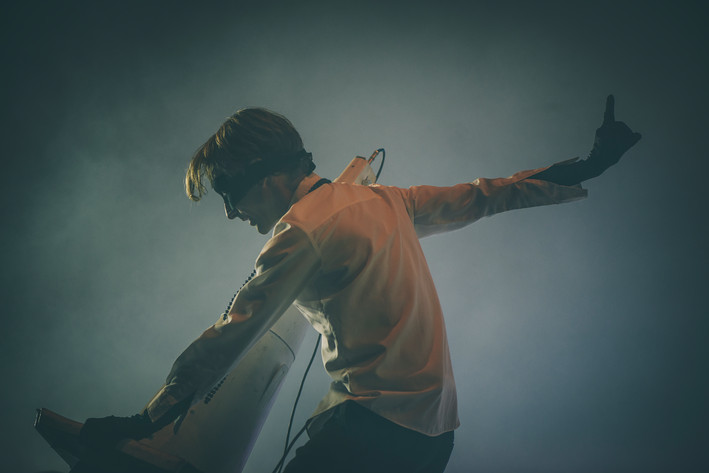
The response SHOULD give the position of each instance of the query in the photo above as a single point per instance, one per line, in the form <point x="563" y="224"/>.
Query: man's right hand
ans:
<point x="105" y="432"/>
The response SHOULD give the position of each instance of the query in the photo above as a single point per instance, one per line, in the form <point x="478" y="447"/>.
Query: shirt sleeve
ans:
<point x="284" y="267"/>
<point x="441" y="209"/>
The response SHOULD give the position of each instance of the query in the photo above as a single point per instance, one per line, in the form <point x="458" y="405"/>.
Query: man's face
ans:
<point x="262" y="205"/>
<point x="251" y="208"/>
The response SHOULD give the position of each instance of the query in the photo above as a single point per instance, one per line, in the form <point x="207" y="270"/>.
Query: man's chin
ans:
<point x="263" y="229"/>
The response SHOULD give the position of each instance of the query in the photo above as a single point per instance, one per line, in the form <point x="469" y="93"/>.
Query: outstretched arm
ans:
<point x="440" y="209"/>
<point x="612" y="140"/>
<point x="284" y="267"/>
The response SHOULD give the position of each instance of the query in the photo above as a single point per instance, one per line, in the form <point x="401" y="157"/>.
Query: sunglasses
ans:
<point x="233" y="188"/>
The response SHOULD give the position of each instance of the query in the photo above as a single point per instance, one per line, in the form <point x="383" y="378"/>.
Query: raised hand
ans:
<point x="613" y="139"/>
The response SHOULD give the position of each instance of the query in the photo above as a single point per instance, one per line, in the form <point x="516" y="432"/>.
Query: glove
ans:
<point x="107" y="431"/>
<point x="612" y="140"/>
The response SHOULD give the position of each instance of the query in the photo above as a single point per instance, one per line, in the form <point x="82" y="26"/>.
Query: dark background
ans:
<point x="578" y="332"/>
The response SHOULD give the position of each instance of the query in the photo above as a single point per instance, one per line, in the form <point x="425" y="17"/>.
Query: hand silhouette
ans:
<point x="107" y="431"/>
<point x="613" y="139"/>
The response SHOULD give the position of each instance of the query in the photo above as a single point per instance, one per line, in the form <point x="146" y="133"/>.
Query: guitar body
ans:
<point x="218" y="433"/>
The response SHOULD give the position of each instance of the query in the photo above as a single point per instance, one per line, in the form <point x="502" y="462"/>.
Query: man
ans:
<point x="348" y="256"/>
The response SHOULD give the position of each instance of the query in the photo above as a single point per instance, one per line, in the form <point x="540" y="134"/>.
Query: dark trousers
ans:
<point x="354" y="439"/>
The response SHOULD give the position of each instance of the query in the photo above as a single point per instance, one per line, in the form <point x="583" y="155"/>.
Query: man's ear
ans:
<point x="270" y="182"/>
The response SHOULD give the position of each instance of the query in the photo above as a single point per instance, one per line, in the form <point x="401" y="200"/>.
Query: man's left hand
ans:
<point x="613" y="139"/>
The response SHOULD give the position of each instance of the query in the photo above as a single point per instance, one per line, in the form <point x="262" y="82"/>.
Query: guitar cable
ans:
<point x="288" y="446"/>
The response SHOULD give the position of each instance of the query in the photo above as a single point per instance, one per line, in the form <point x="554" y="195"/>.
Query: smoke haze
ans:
<point x="578" y="332"/>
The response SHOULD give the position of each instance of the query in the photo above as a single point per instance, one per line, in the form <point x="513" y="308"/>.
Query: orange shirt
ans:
<point x="348" y="256"/>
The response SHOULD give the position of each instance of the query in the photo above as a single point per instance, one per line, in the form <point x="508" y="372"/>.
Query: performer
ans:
<point x="349" y="257"/>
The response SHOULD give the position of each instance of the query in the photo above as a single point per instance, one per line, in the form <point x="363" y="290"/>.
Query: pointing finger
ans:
<point x="609" y="115"/>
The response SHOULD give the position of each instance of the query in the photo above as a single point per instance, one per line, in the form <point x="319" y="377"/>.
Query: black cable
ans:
<point x="381" y="165"/>
<point x="287" y="447"/>
<point x="281" y="462"/>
